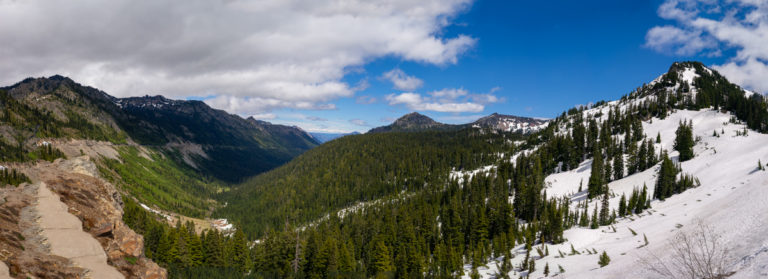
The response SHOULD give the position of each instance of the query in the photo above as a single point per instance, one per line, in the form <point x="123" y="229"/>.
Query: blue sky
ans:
<point x="544" y="57"/>
<point x="351" y="65"/>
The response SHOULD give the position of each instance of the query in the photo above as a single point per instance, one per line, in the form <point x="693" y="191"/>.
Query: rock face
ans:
<point x="95" y="204"/>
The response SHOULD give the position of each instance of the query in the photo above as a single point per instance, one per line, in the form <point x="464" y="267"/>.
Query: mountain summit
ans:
<point x="510" y="123"/>
<point x="411" y="122"/>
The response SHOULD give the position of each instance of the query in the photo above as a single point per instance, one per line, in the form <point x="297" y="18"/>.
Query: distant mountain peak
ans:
<point x="410" y="122"/>
<point x="415" y="118"/>
<point x="510" y="123"/>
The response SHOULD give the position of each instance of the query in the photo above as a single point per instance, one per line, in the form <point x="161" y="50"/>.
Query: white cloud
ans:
<point x="264" y="116"/>
<point x="445" y="100"/>
<point x="678" y="41"/>
<point x="358" y="122"/>
<point x="288" y="53"/>
<point x="365" y="100"/>
<point x="711" y="26"/>
<point x="401" y="81"/>
<point x="449" y="93"/>
<point x="750" y="74"/>
<point x="316" y="118"/>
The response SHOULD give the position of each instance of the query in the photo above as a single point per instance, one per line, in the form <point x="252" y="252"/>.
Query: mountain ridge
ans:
<point x="416" y="122"/>
<point x="159" y="121"/>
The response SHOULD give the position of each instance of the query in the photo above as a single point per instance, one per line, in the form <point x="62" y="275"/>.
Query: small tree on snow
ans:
<point x="604" y="259"/>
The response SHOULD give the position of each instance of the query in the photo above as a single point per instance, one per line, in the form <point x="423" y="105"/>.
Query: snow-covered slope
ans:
<point x="733" y="198"/>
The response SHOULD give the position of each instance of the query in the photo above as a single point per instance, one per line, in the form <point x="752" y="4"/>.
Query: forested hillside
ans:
<point x="432" y="213"/>
<point x="220" y="145"/>
<point x="358" y="168"/>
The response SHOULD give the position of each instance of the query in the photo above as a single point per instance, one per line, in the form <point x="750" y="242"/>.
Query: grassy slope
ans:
<point x="161" y="182"/>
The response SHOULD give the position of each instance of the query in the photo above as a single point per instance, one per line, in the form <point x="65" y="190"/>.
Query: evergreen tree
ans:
<point x="623" y="206"/>
<point x="642" y="157"/>
<point x="546" y="270"/>
<point x="596" y="181"/>
<point x="241" y="254"/>
<point x="666" y="181"/>
<point x="632" y="160"/>
<point x="651" y="159"/>
<point x="382" y="262"/>
<point x="346" y="259"/>
<point x="642" y="200"/>
<point x="684" y="141"/>
<point x="604" y="210"/>
<point x="604" y="259"/>
<point x="618" y="166"/>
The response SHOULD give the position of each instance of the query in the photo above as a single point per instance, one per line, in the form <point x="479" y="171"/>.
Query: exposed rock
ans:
<point x="23" y="250"/>
<point x="99" y="207"/>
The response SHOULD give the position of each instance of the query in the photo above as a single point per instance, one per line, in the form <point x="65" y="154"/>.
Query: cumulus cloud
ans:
<point x="711" y="26"/>
<point x="401" y="81"/>
<point x="315" y="118"/>
<point x="358" y="122"/>
<point x="365" y="100"/>
<point x="444" y="100"/>
<point x="264" y="116"/>
<point x="252" y="56"/>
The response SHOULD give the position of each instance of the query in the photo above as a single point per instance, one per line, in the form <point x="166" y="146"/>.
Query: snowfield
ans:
<point x="732" y="198"/>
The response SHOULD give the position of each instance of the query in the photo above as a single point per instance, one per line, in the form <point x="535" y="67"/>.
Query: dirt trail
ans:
<point x="65" y="235"/>
<point x="4" y="272"/>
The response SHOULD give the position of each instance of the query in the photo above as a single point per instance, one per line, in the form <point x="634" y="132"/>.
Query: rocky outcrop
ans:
<point x="65" y="237"/>
<point x="23" y="250"/>
<point x="98" y="207"/>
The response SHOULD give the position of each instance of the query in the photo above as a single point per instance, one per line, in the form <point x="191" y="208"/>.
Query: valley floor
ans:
<point x="732" y="199"/>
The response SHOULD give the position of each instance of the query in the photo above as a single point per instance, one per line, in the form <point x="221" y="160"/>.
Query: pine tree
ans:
<point x="684" y="141"/>
<point x="623" y="206"/>
<point x="666" y="181"/>
<point x="195" y="248"/>
<point x="584" y="219"/>
<point x="596" y="180"/>
<point x="651" y="155"/>
<point x="632" y="203"/>
<point x="594" y="224"/>
<point x="632" y="160"/>
<point x="346" y="260"/>
<point x="642" y="157"/>
<point x="604" y="210"/>
<point x="546" y="270"/>
<point x="760" y="165"/>
<point x="241" y="255"/>
<point x="618" y="166"/>
<point x="604" y="259"/>
<point x="642" y="200"/>
<point x="382" y="261"/>
<point x="658" y="137"/>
